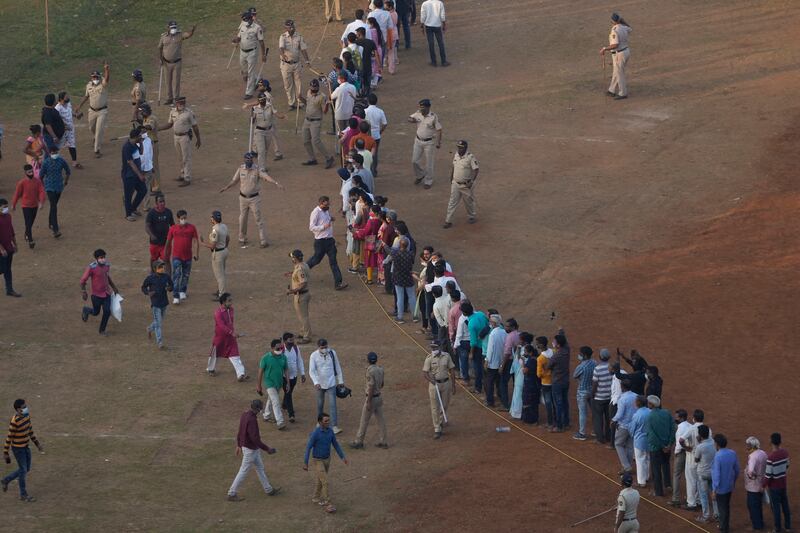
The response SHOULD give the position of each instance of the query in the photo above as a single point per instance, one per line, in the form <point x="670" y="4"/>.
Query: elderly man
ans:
<point x="638" y="429"/>
<point x="754" y="481"/>
<point x="494" y="357"/>
<point x="660" y="438"/>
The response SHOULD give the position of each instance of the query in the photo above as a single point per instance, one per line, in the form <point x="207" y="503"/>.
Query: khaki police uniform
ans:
<point x="333" y="9"/>
<point x="138" y="97"/>
<point x="264" y="133"/>
<point x="312" y="125"/>
<point x="425" y="146"/>
<point x="182" y="122"/>
<point x="249" y="180"/>
<point x="461" y="188"/>
<point x="219" y="255"/>
<point x="152" y="121"/>
<point x="619" y="58"/>
<point x="250" y="37"/>
<point x="98" y="110"/>
<point x="373" y="407"/>
<point x="438" y="367"/>
<point x="627" y="504"/>
<point x="300" y="275"/>
<point x="291" y="67"/>
<point x="170" y="46"/>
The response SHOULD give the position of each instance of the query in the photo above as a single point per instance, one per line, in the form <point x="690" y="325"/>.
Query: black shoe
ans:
<point x="84" y="314"/>
<point x="618" y="97"/>
<point x="248" y="97"/>
<point x="433" y="65"/>
<point x="445" y="64"/>
<point x="447" y="225"/>
<point x="329" y="163"/>
<point x="341" y="286"/>
<point x="309" y="163"/>
<point x="13" y="293"/>
<point x="609" y="93"/>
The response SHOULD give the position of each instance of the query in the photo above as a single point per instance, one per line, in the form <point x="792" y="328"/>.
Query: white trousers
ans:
<point x="642" y="465"/>
<point x="235" y="361"/>
<point x="273" y="406"/>
<point x="250" y="458"/>
<point x="692" y="481"/>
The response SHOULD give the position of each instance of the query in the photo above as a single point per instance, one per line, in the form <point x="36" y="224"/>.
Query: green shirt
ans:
<point x="660" y="429"/>
<point x="273" y="367"/>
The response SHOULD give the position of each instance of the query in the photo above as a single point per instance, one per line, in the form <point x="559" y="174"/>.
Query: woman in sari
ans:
<point x="34" y="149"/>
<point x="531" y="386"/>
<point x="517" y="370"/>
<point x="375" y="35"/>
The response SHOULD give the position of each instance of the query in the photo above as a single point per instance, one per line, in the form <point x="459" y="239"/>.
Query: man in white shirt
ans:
<point x="433" y="23"/>
<point x="682" y="432"/>
<point x="353" y="26"/>
<point x="344" y="98"/>
<point x="690" y="442"/>
<point x="325" y="373"/>
<point x="321" y="225"/>
<point x="461" y="345"/>
<point x="440" y="279"/>
<point x="377" y="121"/>
<point x="441" y="309"/>
<point x="296" y="368"/>
<point x="616" y="393"/>
<point x="494" y="358"/>
<point x="147" y="167"/>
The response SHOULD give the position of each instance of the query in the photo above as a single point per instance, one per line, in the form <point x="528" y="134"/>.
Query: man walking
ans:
<point x="64" y="107"/>
<point x="250" y="39"/>
<point x="249" y="179"/>
<point x="97" y="96"/>
<point x="273" y="373"/>
<point x="170" y="51"/>
<point x="8" y="247"/>
<point x="184" y="126"/>
<point x="627" y="506"/>
<point x="249" y="446"/>
<point x="264" y="132"/>
<point x="296" y="368"/>
<point x="20" y="433"/>
<point x="301" y="276"/>
<point x="660" y="438"/>
<point x="178" y="250"/>
<point x="373" y="404"/>
<point x="30" y="193"/>
<point x="316" y="106"/>
<point x="433" y="23"/>
<point x="321" y="225"/>
<point x="158" y="222"/>
<point x="463" y="175"/>
<point x="292" y="45"/>
<point x="133" y="180"/>
<point x="55" y="175"/>
<point x="428" y="127"/>
<point x="320" y="442"/>
<point x="156" y="286"/>
<point x="775" y="483"/>
<point x="102" y="287"/>
<point x="724" y="472"/>
<point x="326" y="373"/>
<point x="439" y="372"/>
<point x="225" y="344"/>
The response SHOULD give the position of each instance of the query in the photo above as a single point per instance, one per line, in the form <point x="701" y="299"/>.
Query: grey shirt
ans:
<point x="704" y="455"/>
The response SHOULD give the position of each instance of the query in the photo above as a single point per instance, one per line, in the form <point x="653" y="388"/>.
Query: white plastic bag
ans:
<point x="116" y="306"/>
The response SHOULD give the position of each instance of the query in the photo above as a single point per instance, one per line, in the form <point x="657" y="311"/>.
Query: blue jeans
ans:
<point x="463" y="359"/>
<point x="477" y="367"/>
<point x="331" y="394"/>
<point x="547" y="395"/>
<point x="180" y="274"/>
<point x="404" y="16"/>
<point x="704" y="488"/>
<point x="779" y="501"/>
<point x="583" y="409"/>
<point x="23" y="457"/>
<point x="158" y="319"/>
<point x="403" y="294"/>
<point x="561" y="402"/>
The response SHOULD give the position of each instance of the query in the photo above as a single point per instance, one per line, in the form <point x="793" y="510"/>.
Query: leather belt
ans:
<point x="99" y="108"/>
<point x="180" y="134"/>
<point x="302" y="292"/>
<point x="313" y="119"/>
<point x="464" y="183"/>
<point x="248" y="195"/>
<point x="614" y="52"/>
<point x="246" y="51"/>
<point x="263" y="129"/>
<point x="628" y="519"/>
<point x="445" y="380"/>
<point x="374" y="395"/>
<point x="288" y="62"/>
<point x="424" y="140"/>
<point x="176" y="61"/>
<point x="220" y="249"/>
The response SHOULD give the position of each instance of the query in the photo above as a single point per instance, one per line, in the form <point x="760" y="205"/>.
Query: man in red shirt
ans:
<point x="179" y="245"/>
<point x="249" y="445"/>
<point x="101" y="296"/>
<point x="364" y="133"/>
<point x="31" y="191"/>
<point x="8" y="247"/>
<point x="775" y="483"/>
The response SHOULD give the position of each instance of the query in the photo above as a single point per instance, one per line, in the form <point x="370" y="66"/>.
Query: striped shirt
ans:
<point x="777" y="465"/>
<point x="20" y="432"/>
<point x="583" y="373"/>
<point x="602" y="376"/>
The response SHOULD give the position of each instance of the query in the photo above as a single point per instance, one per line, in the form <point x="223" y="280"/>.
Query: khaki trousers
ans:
<point x="245" y="206"/>
<point x="629" y="526"/>
<point x="301" y="308"/>
<point x="247" y="64"/>
<point x="369" y="409"/>
<point x="619" y="83"/>
<point x="460" y="192"/>
<point x="155" y="185"/>
<point x="312" y="139"/>
<point x="97" y="125"/>
<point x="262" y="140"/>
<point x="436" y="411"/>
<point x="183" y="149"/>
<point x="173" y="71"/>
<point x="321" y="467"/>
<point x="291" y="80"/>
<point x="148" y="179"/>
<point x="333" y="9"/>
<point x="218" y="259"/>
<point x="428" y="151"/>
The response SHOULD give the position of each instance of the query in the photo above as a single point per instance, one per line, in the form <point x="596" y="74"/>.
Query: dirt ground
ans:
<point x="663" y="222"/>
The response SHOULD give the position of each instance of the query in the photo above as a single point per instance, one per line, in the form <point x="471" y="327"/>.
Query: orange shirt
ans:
<point x="30" y="191"/>
<point x="369" y="142"/>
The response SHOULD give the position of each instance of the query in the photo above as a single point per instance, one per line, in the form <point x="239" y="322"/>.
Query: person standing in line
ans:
<point x="156" y="286"/>
<point x="690" y="442"/>
<point x="511" y="343"/>
<point x="433" y="22"/>
<point x="8" y="247"/>
<point x="326" y="373"/>
<point x="623" y="438"/>
<point x="158" y="222"/>
<point x="620" y="54"/>
<point x="183" y="123"/>
<point x="218" y="241"/>
<point x="627" y="506"/>
<point x="775" y="483"/>
<point x="55" y="174"/>
<point x="601" y="398"/>
<point x="316" y="106"/>
<point x="358" y="22"/>
<point x="249" y="446"/>
<point x="494" y="358"/>
<point x="545" y="375"/>
<point x="463" y="176"/>
<point x="477" y="323"/>
<point x="343" y="98"/>
<point x="31" y="193"/>
<point x="250" y="38"/>
<point x="170" y="53"/>
<point x="402" y="266"/>
<point x="373" y="404"/>
<point x="64" y="107"/>
<point x="403" y="9"/>
<point x="321" y="225"/>
<point x="224" y="343"/>
<point x="102" y="287"/>
<point x="320" y="442"/>
<point x="584" y="373"/>
<point x="292" y="45"/>
<point x="296" y="368"/>
<point x="377" y="121"/>
<point x="178" y="250"/>
<point x="532" y="386"/>
<point x="682" y="433"/>
<point x="704" y="453"/>
<point x="301" y="275"/>
<point x="133" y="178"/>
<point x="370" y="52"/>
<point x="559" y="364"/>
<point x="641" y="451"/>
<point x="97" y="96"/>
<point x="724" y="473"/>
<point x="754" y="481"/>
<point x="53" y="125"/>
<point x="428" y="127"/>
<point x="438" y="370"/>
<point x="273" y="373"/>
<point x="20" y="433"/>
<point x="660" y="438"/>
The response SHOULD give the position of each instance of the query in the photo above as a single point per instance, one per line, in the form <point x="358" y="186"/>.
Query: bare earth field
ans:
<point x="666" y="222"/>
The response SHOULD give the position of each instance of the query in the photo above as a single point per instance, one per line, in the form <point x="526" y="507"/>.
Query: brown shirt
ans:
<point x="301" y="274"/>
<point x="374" y="378"/>
<point x="182" y="121"/>
<point x="98" y="95"/>
<point x="315" y="104"/>
<point x="170" y="46"/>
<point x="438" y="365"/>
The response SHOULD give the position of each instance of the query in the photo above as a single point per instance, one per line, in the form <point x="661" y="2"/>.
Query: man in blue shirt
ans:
<point x="623" y="438"/>
<point x="724" y="471"/>
<point x="638" y="428"/>
<point x="55" y="175"/>
<point x="477" y="323"/>
<point x="320" y="441"/>
<point x="133" y="180"/>
<point x="494" y="358"/>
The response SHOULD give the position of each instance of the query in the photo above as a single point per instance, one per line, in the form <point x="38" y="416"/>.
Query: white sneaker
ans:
<point x="336" y="430"/>
<point x="175" y="301"/>
<point x="183" y="295"/>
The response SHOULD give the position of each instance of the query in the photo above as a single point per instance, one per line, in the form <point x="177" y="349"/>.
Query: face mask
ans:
<point x="4" y="210"/>
<point x="248" y="164"/>
<point x="54" y="156"/>
<point x="182" y="221"/>
<point x="323" y="351"/>
<point x="66" y="101"/>
<point x="29" y="174"/>
<point x="278" y="352"/>
<point x="101" y="261"/>
<point x="173" y="31"/>
<point x="95" y="82"/>
<point x="325" y="208"/>
<point x="144" y="135"/>
<point x="289" y="345"/>
<point x="26" y="411"/>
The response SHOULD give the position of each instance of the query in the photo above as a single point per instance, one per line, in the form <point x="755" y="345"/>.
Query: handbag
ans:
<point x="342" y="391"/>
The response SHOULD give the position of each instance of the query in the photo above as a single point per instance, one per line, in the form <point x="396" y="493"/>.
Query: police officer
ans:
<point x="150" y="123"/>
<point x="620" y="53"/>
<point x="264" y="134"/>
<point x="97" y="96"/>
<point x="462" y="182"/>
<point x="183" y="124"/>
<point x="439" y="371"/>
<point x="428" y="130"/>
<point x="316" y="106"/>
<point x="301" y="275"/>
<point x="170" y="54"/>
<point x="138" y="94"/>
<point x="250" y="38"/>
<point x="627" y="505"/>
<point x="292" y="46"/>
<point x="218" y="241"/>
<point x="249" y="179"/>
<point x="373" y="404"/>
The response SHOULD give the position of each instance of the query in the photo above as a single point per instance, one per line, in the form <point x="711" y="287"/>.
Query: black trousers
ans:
<point x="53" y="198"/>
<point x="129" y="187"/>
<point x="287" y="397"/>
<point x="492" y="380"/>
<point x="505" y="377"/>
<point x="612" y="412"/>
<point x="323" y="247"/>
<point x="100" y="304"/>
<point x="724" y="506"/>
<point x="404" y="21"/>
<point x="662" y="476"/>
<point x="29" y="214"/>
<point x="601" y="421"/>
<point x="430" y="33"/>
<point x="5" y="267"/>
<point x="366" y="77"/>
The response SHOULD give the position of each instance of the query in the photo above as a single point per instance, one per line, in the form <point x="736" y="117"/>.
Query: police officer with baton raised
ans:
<point x="439" y="371"/>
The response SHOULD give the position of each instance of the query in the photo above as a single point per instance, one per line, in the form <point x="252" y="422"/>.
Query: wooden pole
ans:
<point x="47" y="27"/>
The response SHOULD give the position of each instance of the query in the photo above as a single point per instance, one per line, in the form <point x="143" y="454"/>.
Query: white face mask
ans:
<point x="54" y="156"/>
<point x="144" y="135"/>
<point x="26" y="411"/>
<point x="173" y="31"/>
<point x="4" y="210"/>
<point x="323" y="351"/>
<point x="95" y="81"/>
<point x="182" y="221"/>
